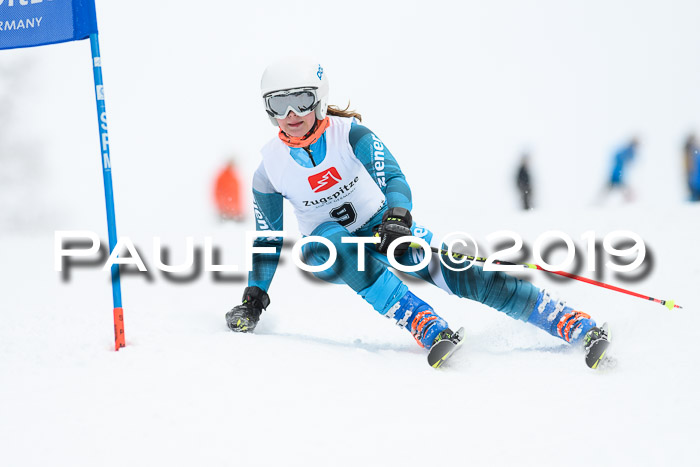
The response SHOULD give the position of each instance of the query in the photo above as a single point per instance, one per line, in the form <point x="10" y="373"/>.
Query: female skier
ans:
<point x="344" y="182"/>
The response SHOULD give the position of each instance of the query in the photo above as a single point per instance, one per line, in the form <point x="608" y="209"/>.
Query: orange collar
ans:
<point x="308" y="139"/>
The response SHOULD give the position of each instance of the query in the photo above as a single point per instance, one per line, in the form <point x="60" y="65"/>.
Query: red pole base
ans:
<point x="119" y="340"/>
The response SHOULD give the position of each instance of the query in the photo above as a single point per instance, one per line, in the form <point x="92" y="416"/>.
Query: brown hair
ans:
<point x="338" y="112"/>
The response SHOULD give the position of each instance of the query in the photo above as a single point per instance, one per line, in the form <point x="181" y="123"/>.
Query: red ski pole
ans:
<point x="670" y="304"/>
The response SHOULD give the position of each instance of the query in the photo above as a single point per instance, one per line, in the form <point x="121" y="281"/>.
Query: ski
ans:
<point x="444" y="348"/>
<point x="596" y="351"/>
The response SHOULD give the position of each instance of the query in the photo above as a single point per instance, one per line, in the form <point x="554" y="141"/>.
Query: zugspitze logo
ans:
<point x="324" y="180"/>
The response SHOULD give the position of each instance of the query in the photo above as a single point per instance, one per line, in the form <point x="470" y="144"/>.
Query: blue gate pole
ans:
<point x="119" y="340"/>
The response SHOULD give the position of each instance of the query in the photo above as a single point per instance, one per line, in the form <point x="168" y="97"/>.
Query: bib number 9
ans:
<point x="344" y="214"/>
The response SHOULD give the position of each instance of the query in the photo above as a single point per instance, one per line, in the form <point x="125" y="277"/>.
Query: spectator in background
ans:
<point x="691" y="156"/>
<point x="524" y="182"/>
<point x="227" y="193"/>
<point x="621" y="161"/>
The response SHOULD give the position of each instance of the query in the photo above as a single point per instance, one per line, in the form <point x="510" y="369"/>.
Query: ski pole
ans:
<point x="670" y="304"/>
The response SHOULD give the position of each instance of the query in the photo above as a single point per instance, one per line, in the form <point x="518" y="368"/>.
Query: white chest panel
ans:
<point x="338" y="189"/>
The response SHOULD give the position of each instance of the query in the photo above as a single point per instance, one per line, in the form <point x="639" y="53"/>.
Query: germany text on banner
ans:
<point x="28" y="23"/>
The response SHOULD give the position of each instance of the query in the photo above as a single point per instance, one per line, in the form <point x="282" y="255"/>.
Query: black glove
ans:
<point x="396" y="223"/>
<point x="244" y="317"/>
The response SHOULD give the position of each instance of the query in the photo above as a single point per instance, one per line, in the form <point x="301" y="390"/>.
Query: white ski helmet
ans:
<point x="294" y="74"/>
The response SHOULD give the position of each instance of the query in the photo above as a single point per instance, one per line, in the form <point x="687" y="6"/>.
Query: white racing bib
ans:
<point x="338" y="189"/>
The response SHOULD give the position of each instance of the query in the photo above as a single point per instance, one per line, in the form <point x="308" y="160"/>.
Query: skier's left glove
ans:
<point x="244" y="317"/>
<point x="396" y="223"/>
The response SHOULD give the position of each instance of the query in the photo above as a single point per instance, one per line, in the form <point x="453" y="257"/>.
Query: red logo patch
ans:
<point x="324" y="180"/>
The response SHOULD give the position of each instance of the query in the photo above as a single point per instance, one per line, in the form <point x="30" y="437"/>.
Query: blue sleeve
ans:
<point x="268" y="208"/>
<point x="381" y="165"/>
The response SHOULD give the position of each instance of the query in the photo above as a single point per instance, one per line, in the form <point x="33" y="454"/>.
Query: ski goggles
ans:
<point x="301" y="101"/>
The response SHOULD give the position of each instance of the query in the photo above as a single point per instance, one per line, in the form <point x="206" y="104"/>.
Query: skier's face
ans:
<point x="296" y="126"/>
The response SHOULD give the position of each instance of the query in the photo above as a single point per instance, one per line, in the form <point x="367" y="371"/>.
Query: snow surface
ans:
<point x="456" y="91"/>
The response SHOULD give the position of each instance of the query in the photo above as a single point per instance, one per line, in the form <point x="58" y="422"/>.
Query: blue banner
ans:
<point x="28" y="23"/>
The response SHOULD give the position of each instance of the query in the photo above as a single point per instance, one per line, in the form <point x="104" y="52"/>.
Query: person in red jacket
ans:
<point x="227" y="193"/>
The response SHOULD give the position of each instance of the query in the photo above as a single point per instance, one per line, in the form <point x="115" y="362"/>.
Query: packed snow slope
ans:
<point x="324" y="380"/>
<point x="456" y="91"/>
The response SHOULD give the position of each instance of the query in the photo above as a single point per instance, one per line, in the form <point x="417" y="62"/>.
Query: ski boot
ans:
<point x="427" y="328"/>
<point x="596" y="343"/>
<point x="419" y="318"/>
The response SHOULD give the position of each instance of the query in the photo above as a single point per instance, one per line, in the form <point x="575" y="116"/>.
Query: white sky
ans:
<point x="456" y="90"/>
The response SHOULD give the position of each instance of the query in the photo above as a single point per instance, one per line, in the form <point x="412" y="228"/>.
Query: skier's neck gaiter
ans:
<point x="309" y="138"/>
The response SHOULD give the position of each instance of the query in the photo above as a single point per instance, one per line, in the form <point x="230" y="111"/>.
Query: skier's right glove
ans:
<point x="244" y="317"/>
<point x="396" y="223"/>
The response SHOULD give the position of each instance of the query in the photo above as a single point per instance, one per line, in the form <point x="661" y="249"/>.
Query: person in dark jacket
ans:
<point x="524" y="182"/>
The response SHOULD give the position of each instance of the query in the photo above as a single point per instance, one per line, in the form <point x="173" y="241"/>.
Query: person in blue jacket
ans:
<point x="691" y="154"/>
<point x="343" y="182"/>
<point x="621" y="160"/>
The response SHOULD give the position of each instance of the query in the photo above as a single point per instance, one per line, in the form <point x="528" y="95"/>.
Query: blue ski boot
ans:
<point x="560" y="320"/>
<point x="419" y="318"/>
